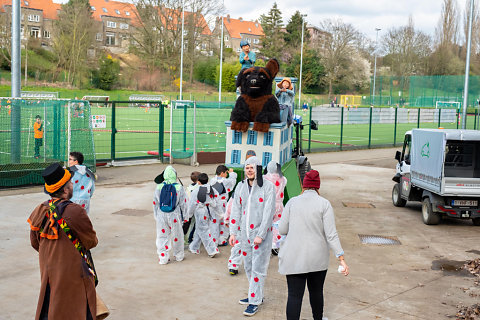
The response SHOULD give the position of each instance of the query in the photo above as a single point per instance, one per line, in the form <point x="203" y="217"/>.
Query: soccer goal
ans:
<point x="448" y="104"/>
<point x="350" y="100"/>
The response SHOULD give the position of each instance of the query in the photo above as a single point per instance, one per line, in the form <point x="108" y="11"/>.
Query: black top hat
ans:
<point x="55" y="177"/>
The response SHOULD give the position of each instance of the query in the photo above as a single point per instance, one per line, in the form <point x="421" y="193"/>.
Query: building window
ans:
<point x="237" y="137"/>
<point x="268" y="139"/>
<point x="26" y="3"/>
<point x="46" y="34"/>
<point x="111" y="24"/>
<point x="124" y="26"/>
<point x="127" y="13"/>
<point x="256" y="41"/>
<point x="252" y="137"/>
<point x="239" y="50"/>
<point x="35" y="32"/>
<point x="117" y="11"/>
<point x="124" y="36"/>
<point x="228" y="46"/>
<point x="204" y="46"/>
<point x="93" y="8"/>
<point x="267" y="157"/>
<point x="33" y="18"/>
<point x="104" y="10"/>
<point x="110" y="39"/>
<point x="226" y="38"/>
<point x="99" y="37"/>
<point x="236" y="156"/>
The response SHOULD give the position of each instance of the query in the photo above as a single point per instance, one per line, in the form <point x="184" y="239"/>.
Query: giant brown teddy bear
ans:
<point x="256" y="103"/>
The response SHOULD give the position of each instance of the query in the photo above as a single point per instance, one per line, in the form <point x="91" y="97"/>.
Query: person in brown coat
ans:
<point x="67" y="289"/>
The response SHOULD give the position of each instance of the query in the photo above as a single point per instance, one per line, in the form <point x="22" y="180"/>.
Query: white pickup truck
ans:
<point x="440" y="168"/>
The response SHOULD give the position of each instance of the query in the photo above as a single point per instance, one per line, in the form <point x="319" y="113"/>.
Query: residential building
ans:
<point x="236" y="30"/>
<point x="318" y="37"/>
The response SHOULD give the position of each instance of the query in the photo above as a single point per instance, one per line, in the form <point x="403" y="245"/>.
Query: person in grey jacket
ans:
<point x="308" y="224"/>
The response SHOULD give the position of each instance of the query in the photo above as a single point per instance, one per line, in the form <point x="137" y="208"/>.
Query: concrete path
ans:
<point x="386" y="282"/>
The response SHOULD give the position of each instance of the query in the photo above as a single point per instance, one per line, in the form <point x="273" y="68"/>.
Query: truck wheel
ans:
<point x="429" y="217"/>
<point x="397" y="199"/>
<point x="303" y="169"/>
<point x="476" y="221"/>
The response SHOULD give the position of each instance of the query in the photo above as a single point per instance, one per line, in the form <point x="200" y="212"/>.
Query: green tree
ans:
<point x="313" y="72"/>
<point x="293" y="35"/>
<point x="272" y="41"/>
<point x="229" y="71"/>
<point x="106" y="77"/>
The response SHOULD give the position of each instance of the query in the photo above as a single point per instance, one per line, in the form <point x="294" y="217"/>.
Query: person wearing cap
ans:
<point x="251" y="220"/>
<point x="67" y="289"/>
<point x="247" y="57"/>
<point x="274" y="175"/>
<point x="285" y="95"/>
<point x="308" y="219"/>
<point x="169" y="224"/>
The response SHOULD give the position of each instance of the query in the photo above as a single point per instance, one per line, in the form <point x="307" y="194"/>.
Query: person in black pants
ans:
<point x="308" y="224"/>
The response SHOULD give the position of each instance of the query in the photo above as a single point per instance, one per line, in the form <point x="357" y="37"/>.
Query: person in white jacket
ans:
<point x="308" y="224"/>
<point x="224" y="186"/>
<point x="169" y="224"/>
<point x="83" y="180"/>
<point x="203" y="204"/>
<point x="252" y="215"/>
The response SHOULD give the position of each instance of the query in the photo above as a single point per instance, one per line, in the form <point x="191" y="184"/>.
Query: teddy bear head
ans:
<point x="257" y="81"/>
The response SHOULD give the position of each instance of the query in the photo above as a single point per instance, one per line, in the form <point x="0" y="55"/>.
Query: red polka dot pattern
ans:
<point x="253" y="295"/>
<point x="261" y="199"/>
<point x="255" y="279"/>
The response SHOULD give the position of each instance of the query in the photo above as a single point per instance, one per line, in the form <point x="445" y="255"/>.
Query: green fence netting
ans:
<point x="65" y="124"/>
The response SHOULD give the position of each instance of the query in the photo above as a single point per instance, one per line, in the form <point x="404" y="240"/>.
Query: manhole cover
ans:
<point x="372" y="239"/>
<point x="358" y="205"/>
<point x="132" y="212"/>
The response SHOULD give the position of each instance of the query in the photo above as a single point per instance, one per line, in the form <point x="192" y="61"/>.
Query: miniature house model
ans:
<point x="276" y="144"/>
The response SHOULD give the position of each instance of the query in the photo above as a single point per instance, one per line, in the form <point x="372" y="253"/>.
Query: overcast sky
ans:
<point x="365" y="15"/>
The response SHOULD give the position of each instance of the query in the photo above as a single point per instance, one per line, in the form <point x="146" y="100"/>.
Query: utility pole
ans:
<point x="221" y="61"/>
<point x="15" y="143"/>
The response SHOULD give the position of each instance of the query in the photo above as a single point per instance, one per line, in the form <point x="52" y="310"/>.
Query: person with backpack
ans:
<point x="203" y="204"/>
<point x="169" y="206"/>
<point x="224" y="186"/>
<point x="83" y="180"/>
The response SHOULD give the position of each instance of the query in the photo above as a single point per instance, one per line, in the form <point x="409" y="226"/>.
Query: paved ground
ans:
<point x="386" y="282"/>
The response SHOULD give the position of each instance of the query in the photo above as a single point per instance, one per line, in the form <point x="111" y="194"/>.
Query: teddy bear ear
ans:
<point x="273" y="67"/>
<point x="240" y="76"/>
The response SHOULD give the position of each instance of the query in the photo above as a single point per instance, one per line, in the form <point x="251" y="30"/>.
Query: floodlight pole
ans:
<point x="301" y="65"/>
<point x="375" y="66"/>
<point x="15" y="141"/>
<point x="467" y="68"/>
<point x="221" y="62"/>
<point x="181" y="52"/>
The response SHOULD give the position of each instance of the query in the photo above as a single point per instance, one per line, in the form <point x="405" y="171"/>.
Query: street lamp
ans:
<point x="181" y="51"/>
<point x="221" y="62"/>
<point x="467" y="68"/>
<point x="301" y="65"/>
<point x="375" y="66"/>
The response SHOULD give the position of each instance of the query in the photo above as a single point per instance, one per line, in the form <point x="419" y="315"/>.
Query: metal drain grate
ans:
<point x="132" y="212"/>
<point x="381" y="240"/>
<point x="358" y="205"/>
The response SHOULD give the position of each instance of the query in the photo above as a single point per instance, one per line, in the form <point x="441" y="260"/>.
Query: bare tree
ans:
<point x="446" y="31"/>
<point x="74" y="35"/>
<point x="406" y="50"/>
<point x="336" y="54"/>
<point x="6" y="36"/>
<point x="475" y="25"/>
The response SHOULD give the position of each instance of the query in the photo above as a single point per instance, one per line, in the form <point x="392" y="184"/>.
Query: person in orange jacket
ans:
<point x="38" y="135"/>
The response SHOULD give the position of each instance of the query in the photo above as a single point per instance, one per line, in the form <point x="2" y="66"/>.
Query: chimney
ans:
<point x="228" y="18"/>
<point x="240" y="18"/>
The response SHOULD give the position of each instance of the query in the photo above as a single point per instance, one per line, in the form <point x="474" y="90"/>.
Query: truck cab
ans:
<point x="440" y="168"/>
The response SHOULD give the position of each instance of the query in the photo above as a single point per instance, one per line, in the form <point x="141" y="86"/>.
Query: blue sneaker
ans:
<point x="243" y="301"/>
<point x="251" y="310"/>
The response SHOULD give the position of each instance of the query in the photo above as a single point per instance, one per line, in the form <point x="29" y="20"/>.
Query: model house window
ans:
<point x="117" y="11"/>
<point x="237" y="137"/>
<point x="252" y="137"/>
<point x="99" y="37"/>
<point x="124" y="26"/>
<point x="35" y="32"/>
<point x="267" y="157"/>
<point x="111" y="24"/>
<point x="46" y="34"/>
<point x="236" y="156"/>
<point x="110" y="39"/>
<point x="281" y="157"/>
<point x="268" y="139"/>
<point x="34" y="18"/>
<point x="93" y="8"/>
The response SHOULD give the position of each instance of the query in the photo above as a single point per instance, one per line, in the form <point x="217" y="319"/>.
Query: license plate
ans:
<point x="465" y="203"/>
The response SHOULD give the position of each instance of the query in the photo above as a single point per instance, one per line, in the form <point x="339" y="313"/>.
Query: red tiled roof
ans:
<point x="48" y="7"/>
<point x="112" y="8"/>
<point x="236" y="27"/>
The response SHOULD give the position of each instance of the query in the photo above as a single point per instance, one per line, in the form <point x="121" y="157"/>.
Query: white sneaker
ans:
<point x="194" y="251"/>
<point x="215" y="253"/>
<point x="179" y="258"/>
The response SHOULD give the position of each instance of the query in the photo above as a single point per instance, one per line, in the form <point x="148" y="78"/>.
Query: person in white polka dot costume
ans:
<point x="83" y="180"/>
<point x="252" y="213"/>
